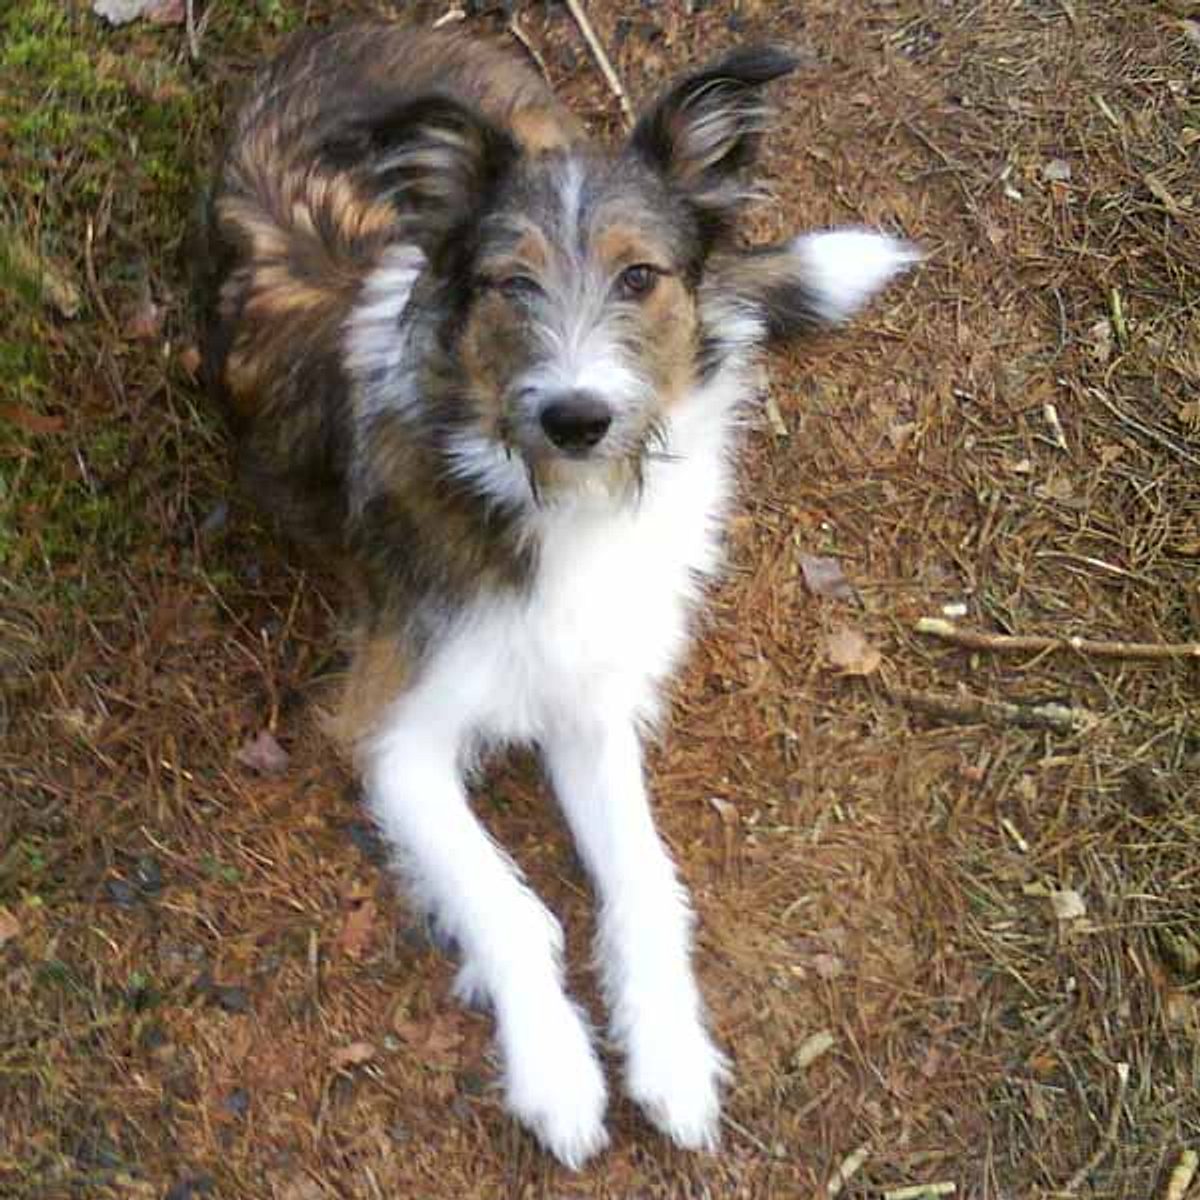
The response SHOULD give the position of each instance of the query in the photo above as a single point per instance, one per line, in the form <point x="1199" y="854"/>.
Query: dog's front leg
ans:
<point x="510" y="943"/>
<point x="673" y="1069"/>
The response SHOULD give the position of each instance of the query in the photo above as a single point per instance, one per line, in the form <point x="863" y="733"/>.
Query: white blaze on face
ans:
<point x="577" y="326"/>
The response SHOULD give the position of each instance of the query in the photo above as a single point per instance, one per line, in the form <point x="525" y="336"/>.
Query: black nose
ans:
<point x="576" y="421"/>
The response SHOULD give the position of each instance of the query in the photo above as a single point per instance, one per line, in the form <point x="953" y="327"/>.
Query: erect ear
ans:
<point x="703" y="133"/>
<point x="433" y="157"/>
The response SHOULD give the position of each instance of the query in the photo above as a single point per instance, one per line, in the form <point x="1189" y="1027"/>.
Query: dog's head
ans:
<point x="585" y="294"/>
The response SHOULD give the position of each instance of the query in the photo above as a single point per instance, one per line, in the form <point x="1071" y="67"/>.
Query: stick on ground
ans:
<point x="970" y="709"/>
<point x="602" y="60"/>
<point x="974" y="639"/>
<point x="1110" y="1133"/>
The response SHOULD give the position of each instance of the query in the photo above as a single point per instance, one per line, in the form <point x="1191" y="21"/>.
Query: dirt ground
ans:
<point x="946" y="942"/>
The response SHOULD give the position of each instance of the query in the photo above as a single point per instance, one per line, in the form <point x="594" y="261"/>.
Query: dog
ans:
<point x="495" y="373"/>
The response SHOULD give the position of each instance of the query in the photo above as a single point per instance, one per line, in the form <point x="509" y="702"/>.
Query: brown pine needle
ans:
<point x="1110" y="1133"/>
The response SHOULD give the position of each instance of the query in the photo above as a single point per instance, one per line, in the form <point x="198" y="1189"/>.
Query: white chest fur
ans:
<point x="606" y="618"/>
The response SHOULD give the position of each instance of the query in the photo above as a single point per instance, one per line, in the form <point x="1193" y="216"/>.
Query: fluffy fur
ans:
<point x="497" y="372"/>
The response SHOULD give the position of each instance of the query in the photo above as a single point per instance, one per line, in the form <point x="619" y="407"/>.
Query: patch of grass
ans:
<point x="98" y="128"/>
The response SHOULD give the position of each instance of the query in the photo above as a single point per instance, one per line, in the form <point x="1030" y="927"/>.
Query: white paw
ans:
<point x="553" y="1081"/>
<point x="674" y="1071"/>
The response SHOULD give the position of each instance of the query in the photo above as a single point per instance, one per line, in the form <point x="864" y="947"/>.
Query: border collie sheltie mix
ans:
<point x="497" y="372"/>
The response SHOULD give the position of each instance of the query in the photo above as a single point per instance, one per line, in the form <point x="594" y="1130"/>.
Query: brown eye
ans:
<point x="638" y="281"/>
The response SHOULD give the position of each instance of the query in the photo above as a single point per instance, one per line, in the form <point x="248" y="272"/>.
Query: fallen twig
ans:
<point x="1182" y="1176"/>
<point x="1155" y="435"/>
<point x="1110" y="1133"/>
<point x="751" y="1137"/>
<point x="602" y="60"/>
<point x="963" y="707"/>
<point x="193" y="36"/>
<point x="522" y="39"/>
<point x="846" y="1170"/>
<point x="89" y="268"/>
<point x="917" y="1191"/>
<point x="974" y="639"/>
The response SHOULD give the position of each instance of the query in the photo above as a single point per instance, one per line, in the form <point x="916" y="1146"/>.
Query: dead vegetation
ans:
<point x="945" y="948"/>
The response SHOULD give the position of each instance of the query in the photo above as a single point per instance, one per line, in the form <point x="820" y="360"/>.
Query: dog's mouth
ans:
<point x="615" y="467"/>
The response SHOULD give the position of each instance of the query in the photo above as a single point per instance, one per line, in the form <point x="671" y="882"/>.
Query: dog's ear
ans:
<point x="435" y="158"/>
<point x="703" y="133"/>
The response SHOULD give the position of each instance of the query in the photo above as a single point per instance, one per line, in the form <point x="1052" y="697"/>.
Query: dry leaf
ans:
<point x="1100" y="340"/>
<point x="1189" y="414"/>
<point x="264" y="754"/>
<point x="145" y="322"/>
<point x="189" y="361"/>
<point x="813" y="1048"/>
<point x="823" y="577"/>
<point x="9" y="926"/>
<point x="849" y="651"/>
<point x="357" y="927"/>
<point x="30" y="421"/>
<point x="301" y="1187"/>
<point x="434" y="1039"/>
<point x="353" y="1055"/>
<point x="827" y="966"/>
<point x="1068" y="905"/>
<point x="1057" y="487"/>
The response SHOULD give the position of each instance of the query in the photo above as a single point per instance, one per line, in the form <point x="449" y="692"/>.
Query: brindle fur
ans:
<point x="297" y="222"/>
<point x="497" y="372"/>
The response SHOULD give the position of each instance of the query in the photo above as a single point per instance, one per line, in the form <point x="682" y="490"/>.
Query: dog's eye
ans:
<point x="637" y="281"/>
<point x="518" y="287"/>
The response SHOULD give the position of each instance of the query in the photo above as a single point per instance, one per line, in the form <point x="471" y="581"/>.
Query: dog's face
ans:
<point x="581" y="326"/>
<point x="583" y="295"/>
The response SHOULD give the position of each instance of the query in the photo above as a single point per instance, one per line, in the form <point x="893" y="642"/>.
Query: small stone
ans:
<point x="215" y="520"/>
<point x="237" y="1103"/>
<point x="147" y="875"/>
<point x="154" y="1037"/>
<point x="471" y="1083"/>
<point x="368" y="842"/>
<point x="121" y="893"/>
<point x="231" y="998"/>
<point x="190" y="1187"/>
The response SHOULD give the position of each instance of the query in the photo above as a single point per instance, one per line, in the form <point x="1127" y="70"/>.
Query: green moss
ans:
<point x="99" y="127"/>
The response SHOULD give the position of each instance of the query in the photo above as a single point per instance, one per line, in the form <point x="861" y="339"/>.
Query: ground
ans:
<point x="208" y="985"/>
